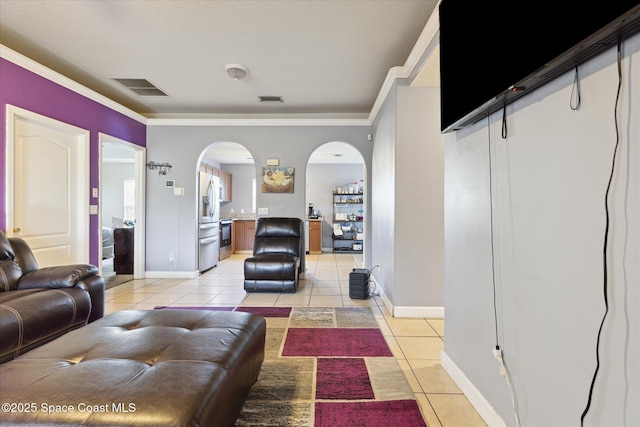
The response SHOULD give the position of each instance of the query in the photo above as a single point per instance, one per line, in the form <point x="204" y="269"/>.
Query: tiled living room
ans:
<point x="416" y="343"/>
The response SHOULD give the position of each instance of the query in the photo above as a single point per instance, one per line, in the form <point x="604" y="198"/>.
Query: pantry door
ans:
<point x="48" y="187"/>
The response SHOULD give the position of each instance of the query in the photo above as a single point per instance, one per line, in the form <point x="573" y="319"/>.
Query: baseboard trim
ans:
<point x="482" y="405"/>
<point x="406" y="311"/>
<point x="171" y="274"/>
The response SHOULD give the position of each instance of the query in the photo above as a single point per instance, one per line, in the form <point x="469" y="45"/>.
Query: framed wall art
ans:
<point x="277" y="179"/>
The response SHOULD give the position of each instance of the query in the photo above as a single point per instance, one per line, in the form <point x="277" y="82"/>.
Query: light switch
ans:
<point x="178" y="191"/>
<point x="93" y="209"/>
<point x="94" y="193"/>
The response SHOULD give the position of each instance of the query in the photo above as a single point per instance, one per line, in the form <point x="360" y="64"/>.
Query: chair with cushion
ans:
<point x="278" y="256"/>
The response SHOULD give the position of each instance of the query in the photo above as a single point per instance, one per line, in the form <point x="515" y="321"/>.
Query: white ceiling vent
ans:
<point x="141" y="87"/>
<point x="271" y="99"/>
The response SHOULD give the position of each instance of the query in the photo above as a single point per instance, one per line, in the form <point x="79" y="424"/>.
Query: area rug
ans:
<point x="329" y="367"/>
<point x="326" y="367"/>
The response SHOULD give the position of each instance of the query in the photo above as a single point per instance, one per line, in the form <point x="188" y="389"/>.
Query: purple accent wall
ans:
<point x="25" y="89"/>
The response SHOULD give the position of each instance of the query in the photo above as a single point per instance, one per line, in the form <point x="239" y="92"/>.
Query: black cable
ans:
<point x="606" y="240"/>
<point x="575" y="92"/>
<point x="504" y="121"/>
<point x="493" y="258"/>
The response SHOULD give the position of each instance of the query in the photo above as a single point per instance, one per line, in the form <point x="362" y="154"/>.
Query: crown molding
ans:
<point x="39" y="69"/>
<point x="244" y="121"/>
<point x="424" y="47"/>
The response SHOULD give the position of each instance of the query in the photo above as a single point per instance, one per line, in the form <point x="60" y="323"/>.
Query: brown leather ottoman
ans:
<point x="139" y="368"/>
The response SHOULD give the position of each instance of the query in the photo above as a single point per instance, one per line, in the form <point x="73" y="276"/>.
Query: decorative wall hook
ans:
<point x="162" y="168"/>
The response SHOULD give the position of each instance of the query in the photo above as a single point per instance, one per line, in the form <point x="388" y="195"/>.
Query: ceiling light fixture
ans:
<point x="236" y="71"/>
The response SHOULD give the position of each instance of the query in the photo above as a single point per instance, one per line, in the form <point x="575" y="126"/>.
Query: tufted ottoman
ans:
<point x="139" y="368"/>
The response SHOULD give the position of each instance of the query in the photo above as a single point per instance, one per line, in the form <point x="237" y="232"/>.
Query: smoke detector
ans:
<point x="236" y="71"/>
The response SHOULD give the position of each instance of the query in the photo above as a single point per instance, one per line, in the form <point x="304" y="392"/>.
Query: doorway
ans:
<point x="237" y="176"/>
<point x="122" y="210"/>
<point x="337" y="167"/>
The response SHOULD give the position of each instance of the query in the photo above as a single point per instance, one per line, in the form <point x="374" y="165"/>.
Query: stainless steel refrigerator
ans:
<point x="209" y="223"/>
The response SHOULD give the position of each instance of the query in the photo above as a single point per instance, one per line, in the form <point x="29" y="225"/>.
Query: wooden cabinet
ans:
<point x="244" y="232"/>
<point x="225" y="185"/>
<point x="315" y="236"/>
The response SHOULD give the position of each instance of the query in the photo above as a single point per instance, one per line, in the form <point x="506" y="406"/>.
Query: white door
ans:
<point x="48" y="180"/>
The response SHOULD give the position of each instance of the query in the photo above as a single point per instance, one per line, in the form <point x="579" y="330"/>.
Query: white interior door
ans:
<point x="48" y="187"/>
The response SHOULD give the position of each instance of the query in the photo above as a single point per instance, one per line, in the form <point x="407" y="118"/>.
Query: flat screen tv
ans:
<point x="493" y="52"/>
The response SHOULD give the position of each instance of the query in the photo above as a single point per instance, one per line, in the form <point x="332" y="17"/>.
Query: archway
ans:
<point x="233" y="166"/>
<point x="336" y="171"/>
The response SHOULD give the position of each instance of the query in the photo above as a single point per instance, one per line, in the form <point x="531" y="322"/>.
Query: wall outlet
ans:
<point x="263" y="211"/>
<point x="178" y="191"/>
<point x="232" y="210"/>
<point x="93" y="209"/>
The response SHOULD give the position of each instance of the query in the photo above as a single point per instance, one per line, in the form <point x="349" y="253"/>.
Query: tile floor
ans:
<point x="415" y="342"/>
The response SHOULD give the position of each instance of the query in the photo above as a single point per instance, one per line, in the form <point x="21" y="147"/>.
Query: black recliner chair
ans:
<point x="278" y="256"/>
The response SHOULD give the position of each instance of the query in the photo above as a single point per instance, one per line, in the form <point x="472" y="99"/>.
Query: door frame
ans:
<point x="82" y="171"/>
<point x="140" y="155"/>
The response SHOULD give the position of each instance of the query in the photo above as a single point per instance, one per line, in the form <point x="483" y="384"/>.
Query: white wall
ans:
<point x="172" y="221"/>
<point x="549" y="182"/>
<point x="113" y="176"/>
<point x="419" y="202"/>
<point x="408" y="177"/>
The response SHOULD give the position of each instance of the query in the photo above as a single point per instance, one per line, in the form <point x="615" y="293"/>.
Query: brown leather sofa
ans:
<point x="139" y="368"/>
<point x="38" y="305"/>
<point x="278" y="256"/>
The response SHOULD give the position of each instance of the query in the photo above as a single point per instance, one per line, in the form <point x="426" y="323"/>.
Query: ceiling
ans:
<point x="322" y="57"/>
<point x="325" y="58"/>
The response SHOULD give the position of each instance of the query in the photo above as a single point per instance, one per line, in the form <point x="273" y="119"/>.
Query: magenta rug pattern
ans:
<point x="336" y="342"/>
<point x="343" y="378"/>
<point x="382" y="413"/>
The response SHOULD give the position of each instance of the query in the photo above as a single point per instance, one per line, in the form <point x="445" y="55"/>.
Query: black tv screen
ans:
<point x="493" y="52"/>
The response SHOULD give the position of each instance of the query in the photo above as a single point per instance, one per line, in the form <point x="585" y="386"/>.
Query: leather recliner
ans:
<point x="278" y="256"/>
<point x="38" y="305"/>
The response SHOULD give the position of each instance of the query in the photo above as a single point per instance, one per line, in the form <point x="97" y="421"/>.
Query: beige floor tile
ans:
<point x="454" y="410"/>
<point x="128" y="298"/>
<point x="420" y="347"/>
<point x="325" y="301"/>
<point x="437" y="325"/>
<point x="194" y="299"/>
<point x="260" y="299"/>
<point x="403" y="327"/>
<point x="410" y="376"/>
<point x="427" y="410"/>
<point x="326" y="291"/>
<point x="432" y="377"/>
<point x="293" y="300"/>
<point x="228" y="299"/>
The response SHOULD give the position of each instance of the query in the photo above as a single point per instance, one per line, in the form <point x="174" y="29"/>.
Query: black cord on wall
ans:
<point x="605" y="246"/>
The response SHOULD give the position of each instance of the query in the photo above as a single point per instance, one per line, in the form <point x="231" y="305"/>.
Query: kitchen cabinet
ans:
<point x="315" y="236"/>
<point x="348" y="222"/>
<point x="225" y="186"/>
<point x="244" y="234"/>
